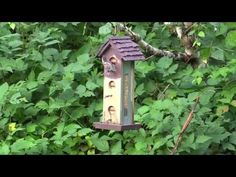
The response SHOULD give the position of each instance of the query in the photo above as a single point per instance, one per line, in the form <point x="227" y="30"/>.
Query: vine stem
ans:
<point x="185" y="126"/>
<point x="71" y="117"/>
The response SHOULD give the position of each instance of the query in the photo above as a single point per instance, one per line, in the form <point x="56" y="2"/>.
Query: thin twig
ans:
<point x="162" y="92"/>
<point x="149" y="57"/>
<point x="72" y="117"/>
<point x="185" y="126"/>
<point x="186" y="31"/>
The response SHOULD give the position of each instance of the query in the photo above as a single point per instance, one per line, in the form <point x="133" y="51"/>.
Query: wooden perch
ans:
<point x="150" y="49"/>
<point x="185" y="126"/>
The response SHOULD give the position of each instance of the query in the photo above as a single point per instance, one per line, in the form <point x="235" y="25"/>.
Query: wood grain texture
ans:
<point x="111" y="97"/>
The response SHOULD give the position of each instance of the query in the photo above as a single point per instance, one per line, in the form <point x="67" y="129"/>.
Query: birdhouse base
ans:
<point x="117" y="127"/>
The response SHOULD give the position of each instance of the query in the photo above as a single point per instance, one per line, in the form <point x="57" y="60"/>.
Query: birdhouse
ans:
<point x="118" y="55"/>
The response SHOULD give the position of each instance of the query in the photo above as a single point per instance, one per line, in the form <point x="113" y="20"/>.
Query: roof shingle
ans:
<point x="128" y="50"/>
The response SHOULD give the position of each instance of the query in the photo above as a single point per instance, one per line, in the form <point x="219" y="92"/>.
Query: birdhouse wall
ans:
<point x="108" y="54"/>
<point x="118" y="104"/>
<point x="112" y="101"/>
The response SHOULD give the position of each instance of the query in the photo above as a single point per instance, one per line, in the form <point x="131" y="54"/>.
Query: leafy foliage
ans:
<point x="51" y="86"/>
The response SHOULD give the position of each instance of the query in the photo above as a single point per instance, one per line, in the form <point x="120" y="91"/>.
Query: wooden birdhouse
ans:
<point x="118" y="55"/>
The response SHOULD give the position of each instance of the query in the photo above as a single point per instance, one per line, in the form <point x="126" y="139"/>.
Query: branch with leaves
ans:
<point x="149" y="48"/>
<point x="186" y="40"/>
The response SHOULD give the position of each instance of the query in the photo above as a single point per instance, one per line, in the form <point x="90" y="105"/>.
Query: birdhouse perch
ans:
<point x="118" y="55"/>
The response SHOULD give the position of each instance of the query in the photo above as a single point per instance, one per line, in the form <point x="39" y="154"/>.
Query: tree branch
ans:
<point x="150" y="49"/>
<point x="186" y="41"/>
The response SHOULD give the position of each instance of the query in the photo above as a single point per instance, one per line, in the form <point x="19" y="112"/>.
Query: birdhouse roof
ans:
<point x="128" y="50"/>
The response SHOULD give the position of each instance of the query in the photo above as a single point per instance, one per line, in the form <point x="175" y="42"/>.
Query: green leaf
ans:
<point x="213" y="81"/>
<point x="80" y="90"/>
<point x="48" y="120"/>
<point x="3" y="122"/>
<point x="116" y="148"/>
<point x="51" y="42"/>
<point x="148" y="101"/>
<point x="173" y="69"/>
<point x="230" y="39"/>
<point x="101" y="144"/>
<point x="140" y="89"/>
<point x="15" y="43"/>
<point x="15" y="98"/>
<point x="222" y="109"/>
<point x="202" y="139"/>
<point x="156" y="114"/>
<point x="65" y="54"/>
<point x="198" y="80"/>
<point x="193" y="96"/>
<point x="4" y="149"/>
<point x="20" y="145"/>
<point x="140" y="29"/>
<point x="91" y="85"/>
<point x="232" y="138"/>
<point x="46" y="64"/>
<point x="36" y="56"/>
<point x="230" y="25"/>
<point x="31" y="76"/>
<point x="205" y="53"/>
<point x="144" y="109"/>
<point x="84" y="131"/>
<point x="233" y="103"/>
<point x="105" y="29"/>
<point x="56" y="104"/>
<point x="105" y="137"/>
<point x="91" y="152"/>
<point x="42" y="105"/>
<point x="71" y="128"/>
<point x="144" y="67"/>
<point x="218" y="55"/>
<point x="228" y="146"/>
<point x="189" y="140"/>
<point x="164" y="62"/>
<point x="141" y="146"/>
<point x="170" y="93"/>
<point x="50" y="53"/>
<point x="142" y="132"/>
<point x="58" y="133"/>
<point x="3" y="90"/>
<point x="201" y="34"/>
<point x="206" y="95"/>
<point x="31" y="127"/>
<point x="12" y="26"/>
<point x="159" y="143"/>
<point x="84" y="49"/>
<point x="222" y="29"/>
<point x="88" y="94"/>
<point x="44" y="76"/>
<point x="83" y="59"/>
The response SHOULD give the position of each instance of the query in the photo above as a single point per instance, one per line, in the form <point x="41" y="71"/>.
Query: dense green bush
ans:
<point x="51" y="87"/>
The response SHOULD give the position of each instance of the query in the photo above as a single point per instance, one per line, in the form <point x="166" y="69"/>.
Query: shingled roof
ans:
<point x="128" y="50"/>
